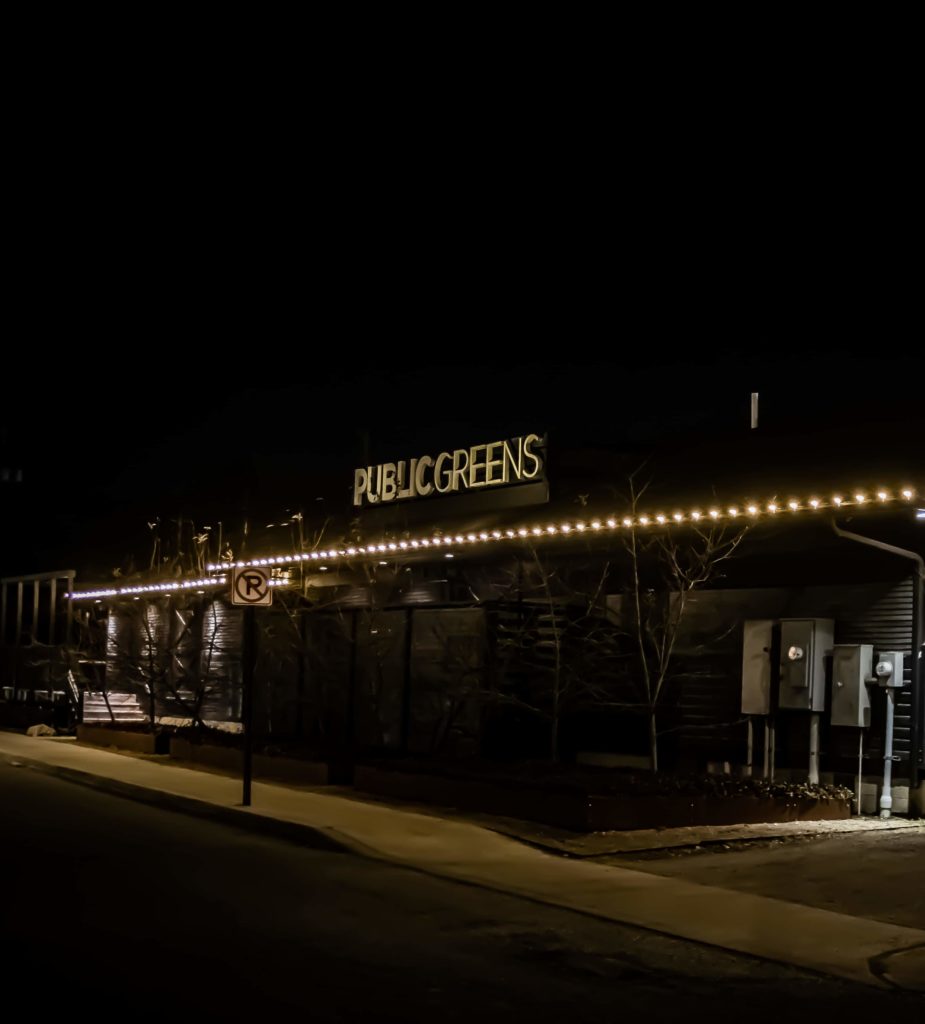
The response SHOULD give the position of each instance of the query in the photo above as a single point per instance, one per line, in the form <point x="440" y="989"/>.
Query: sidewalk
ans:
<point x="855" y="948"/>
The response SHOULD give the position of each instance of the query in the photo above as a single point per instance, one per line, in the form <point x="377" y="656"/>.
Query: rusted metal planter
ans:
<point x="591" y="812"/>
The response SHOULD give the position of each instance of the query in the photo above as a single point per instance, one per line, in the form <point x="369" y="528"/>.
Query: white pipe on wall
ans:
<point x="886" y="796"/>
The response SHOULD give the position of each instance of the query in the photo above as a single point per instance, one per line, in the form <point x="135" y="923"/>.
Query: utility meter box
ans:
<point x="757" y="635"/>
<point x="804" y="645"/>
<point x="888" y="668"/>
<point x="852" y="665"/>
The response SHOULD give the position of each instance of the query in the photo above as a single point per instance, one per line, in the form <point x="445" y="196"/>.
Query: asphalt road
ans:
<point x="871" y="874"/>
<point x="138" y="913"/>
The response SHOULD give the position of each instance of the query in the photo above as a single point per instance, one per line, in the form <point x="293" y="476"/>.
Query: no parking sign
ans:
<point x="250" y="587"/>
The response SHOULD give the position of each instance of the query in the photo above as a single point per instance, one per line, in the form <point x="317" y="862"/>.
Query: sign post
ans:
<point x="250" y="588"/>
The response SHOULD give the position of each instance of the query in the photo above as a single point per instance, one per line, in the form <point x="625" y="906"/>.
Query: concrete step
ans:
<point x="122" y="716"/>
<point x="95" y="697"/>
<point x="124" y="707"/>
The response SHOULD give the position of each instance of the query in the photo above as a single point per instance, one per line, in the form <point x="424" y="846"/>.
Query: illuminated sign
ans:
<point x="501" y="463"/>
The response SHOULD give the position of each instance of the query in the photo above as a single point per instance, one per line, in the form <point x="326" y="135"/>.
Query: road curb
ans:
<point x="902" y="969"/>
<point x="311" y="836"/>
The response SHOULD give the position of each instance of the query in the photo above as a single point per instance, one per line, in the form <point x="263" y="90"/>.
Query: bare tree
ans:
<point x="667" y="563"/>
<point x="169" y="649"/>
<point x="554" y="635"/>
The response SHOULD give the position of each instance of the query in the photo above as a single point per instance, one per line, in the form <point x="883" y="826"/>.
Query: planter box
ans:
<point x="289" y="770"/>
<point x="628" y="812"/>
<point x="589" y="812"/>
<point x="137" y="742"/>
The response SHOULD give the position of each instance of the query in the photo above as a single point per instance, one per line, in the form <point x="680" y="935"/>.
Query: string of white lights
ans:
<point x="151" y="588"/>
<point x="747" y="510"/>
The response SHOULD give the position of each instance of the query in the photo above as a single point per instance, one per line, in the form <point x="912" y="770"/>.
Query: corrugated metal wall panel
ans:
<point x="887" y="624"/>
<point x="711" y="725"/>
<point x="221" y="658"/>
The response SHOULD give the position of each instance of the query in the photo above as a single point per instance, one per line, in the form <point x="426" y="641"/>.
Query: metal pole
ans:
<point x="17" y="639"/>
<point x="406" y="687"/>
<point x="18" y="613"/>
<point x="300" y="674"/>
<point x="352" y="684"/>
<point x="247" y="701"/>
<point x="773" y="742"/>
<point x="814" y="748"/>
<point x="767" y="747"/>
<point x="52" y="609"/>
<point x="858" y="788"/>
<point x="70" y="605"/>
<point x="751" y="746"/>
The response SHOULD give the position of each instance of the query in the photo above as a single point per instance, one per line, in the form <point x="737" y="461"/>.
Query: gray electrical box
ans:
<point x="888" y="668"/>
<point x="852" y="665"/>
<point x="804" y="645"/>
<point x="756" y="666"/>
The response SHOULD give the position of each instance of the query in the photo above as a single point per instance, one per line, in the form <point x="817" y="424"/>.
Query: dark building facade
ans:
<point x="488" y="601"/>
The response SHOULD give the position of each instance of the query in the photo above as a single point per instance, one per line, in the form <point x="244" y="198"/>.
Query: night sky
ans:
<point x="220" y="342"/>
